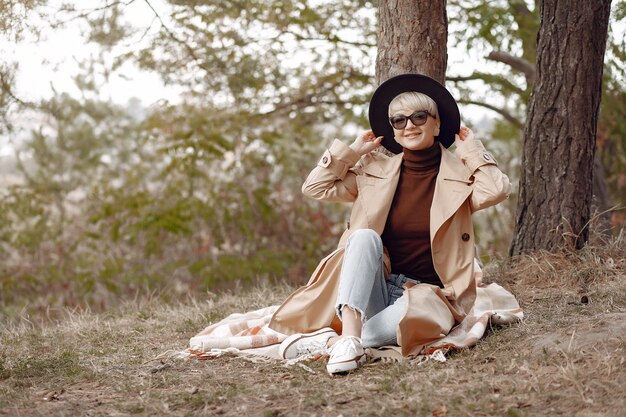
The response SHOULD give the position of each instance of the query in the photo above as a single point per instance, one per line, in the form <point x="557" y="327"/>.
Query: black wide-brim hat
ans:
<point x="388" y="90"/>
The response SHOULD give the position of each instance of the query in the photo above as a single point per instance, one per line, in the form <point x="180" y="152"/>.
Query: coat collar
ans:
<point x="378" y="189"/>
<point x="450" y="167"/>
<point x="385" y="168"/>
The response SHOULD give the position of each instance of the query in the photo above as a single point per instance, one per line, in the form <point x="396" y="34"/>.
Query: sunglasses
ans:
<point x="418" y="118"/>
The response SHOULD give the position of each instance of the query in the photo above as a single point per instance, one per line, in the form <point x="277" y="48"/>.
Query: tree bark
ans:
<point x="412" y="37"/>
<point x="559" y="135"/>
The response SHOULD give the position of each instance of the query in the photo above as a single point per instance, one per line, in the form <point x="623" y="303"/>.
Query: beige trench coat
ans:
<point x="467" y="181"/>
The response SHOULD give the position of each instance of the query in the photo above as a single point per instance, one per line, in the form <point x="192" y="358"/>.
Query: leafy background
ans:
<point x="107" y="202"/>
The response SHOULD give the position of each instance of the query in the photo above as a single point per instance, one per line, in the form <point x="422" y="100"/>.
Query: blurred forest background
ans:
<point x="101" y="202"/>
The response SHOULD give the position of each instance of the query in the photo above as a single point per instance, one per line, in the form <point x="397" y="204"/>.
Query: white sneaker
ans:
<point x="346" y="355"/>
<point x="306" y="343"/>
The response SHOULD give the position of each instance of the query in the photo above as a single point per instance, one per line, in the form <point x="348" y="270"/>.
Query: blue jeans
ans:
<point x="363" y="287"/>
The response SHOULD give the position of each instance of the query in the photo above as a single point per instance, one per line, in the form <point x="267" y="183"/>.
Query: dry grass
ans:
<point x="566" y="358"/>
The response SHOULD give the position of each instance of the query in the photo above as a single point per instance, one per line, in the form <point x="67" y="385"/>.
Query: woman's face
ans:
<point x="414" y="137"/>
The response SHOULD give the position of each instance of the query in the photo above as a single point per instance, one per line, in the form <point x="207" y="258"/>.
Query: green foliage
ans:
<point x="511" y="26"/>
<point x="504" y="131"/>
<point x="508" y="25"/>
<point x="196" y="195"/>
<point x="611" y="136"/>
<point x="619" y="11"/>
<point x="14" y="17"/>
<point x="106" y="210"/>
<point x="502" y="26"/>
<point x="611" y="142"/>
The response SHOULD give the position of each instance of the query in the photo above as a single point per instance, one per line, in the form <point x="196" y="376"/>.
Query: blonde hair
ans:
<point x="413" y="100"/>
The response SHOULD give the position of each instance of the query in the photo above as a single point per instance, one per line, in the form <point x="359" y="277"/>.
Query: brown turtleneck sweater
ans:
<point x="407" y="231"/>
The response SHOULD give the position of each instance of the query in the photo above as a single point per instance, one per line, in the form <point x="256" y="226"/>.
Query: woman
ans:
<point x="403" y="271"/>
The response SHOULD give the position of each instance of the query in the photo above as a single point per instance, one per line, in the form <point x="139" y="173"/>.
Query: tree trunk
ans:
<point x="412" y="37"/>
<point x="559" y="135"/>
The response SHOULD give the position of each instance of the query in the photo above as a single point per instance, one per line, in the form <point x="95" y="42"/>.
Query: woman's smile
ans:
<point x="415" y="137"/>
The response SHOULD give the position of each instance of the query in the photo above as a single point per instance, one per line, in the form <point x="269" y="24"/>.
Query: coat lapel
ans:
<point x="453" y="187"/>
<point x="377" y="189"/>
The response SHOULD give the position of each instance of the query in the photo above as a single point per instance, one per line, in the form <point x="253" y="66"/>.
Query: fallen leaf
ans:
<point x="53" y="395"/>
<point x="440" y="411"/>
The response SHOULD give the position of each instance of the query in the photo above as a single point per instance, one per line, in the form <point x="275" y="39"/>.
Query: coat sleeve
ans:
<point x="490" y="185"/>
<point x="334" y="177"/>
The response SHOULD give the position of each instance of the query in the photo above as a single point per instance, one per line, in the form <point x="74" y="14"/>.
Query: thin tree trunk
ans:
<point x="412" y="37"/>
<point x="557" y="161"/>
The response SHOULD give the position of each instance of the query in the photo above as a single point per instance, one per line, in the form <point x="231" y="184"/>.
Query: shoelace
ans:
<point x="311" y="347"/>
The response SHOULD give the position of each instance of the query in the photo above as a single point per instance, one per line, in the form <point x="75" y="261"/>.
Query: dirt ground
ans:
<point x="565" y="359"/>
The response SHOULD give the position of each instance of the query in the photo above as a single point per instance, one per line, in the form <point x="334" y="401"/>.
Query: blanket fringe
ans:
<point x="439" y="355"/>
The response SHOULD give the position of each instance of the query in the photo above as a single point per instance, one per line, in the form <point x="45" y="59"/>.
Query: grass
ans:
<point x="566" y="358"/>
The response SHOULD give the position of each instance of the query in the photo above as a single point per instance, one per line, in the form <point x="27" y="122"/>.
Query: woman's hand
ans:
<point x="365" y="143"/>
<point x="465" y="135"/>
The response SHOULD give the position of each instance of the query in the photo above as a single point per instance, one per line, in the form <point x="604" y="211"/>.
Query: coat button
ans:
<point x="324" y="160"/>
<point x="465" y="237"/>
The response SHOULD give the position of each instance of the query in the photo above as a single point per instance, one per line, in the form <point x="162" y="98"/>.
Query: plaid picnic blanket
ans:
<point x="248" y="333"/>
<point x="238" y="331"/>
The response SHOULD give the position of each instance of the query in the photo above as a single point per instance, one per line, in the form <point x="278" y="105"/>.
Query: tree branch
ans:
<point x="504" y="113"/>
<point x="474" y="76"/>
<point x="489" y="79"/>
<point x="334" y="38"/>
<point x="520" y="8"/>
<point x="306" y="100"/>
<point x="171" y="34"/>
<point x="514" y="62"/>
<point x="6" y="88"/>
<point x="87" y="13"/>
